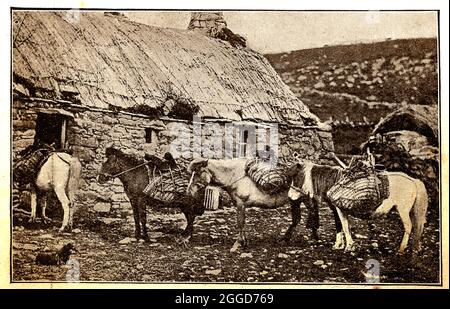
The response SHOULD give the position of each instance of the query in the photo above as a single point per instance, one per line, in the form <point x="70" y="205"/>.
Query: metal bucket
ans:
<point x="212" y="197"/>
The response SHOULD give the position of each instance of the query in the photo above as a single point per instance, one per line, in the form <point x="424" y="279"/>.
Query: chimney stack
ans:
<point x="207" y="22"/>
<point x="213" y="24"/>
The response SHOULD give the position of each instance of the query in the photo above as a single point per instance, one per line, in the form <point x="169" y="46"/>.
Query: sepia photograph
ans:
<point x="260" y="147"/>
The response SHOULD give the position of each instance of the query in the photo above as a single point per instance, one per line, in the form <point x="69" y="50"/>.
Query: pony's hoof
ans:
<point x="65" y="229"/>
<point x="46" y="220"/>
<point x="314" y="236"/>
<point x="350" y="248"/>
<point x="338" y="246"/>
<point x="286" y="239"/>
<point x="236" y="247"/>
<point x="401" y="252"/>
<point x="32" y="220"/>
<point x="184" y="241"/>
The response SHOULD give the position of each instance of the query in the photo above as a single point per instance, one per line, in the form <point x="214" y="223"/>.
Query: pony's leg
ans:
<point x="407" y="224"/>
<point x="33" y="204"/>
<point x="187" y="232"/>
<point x="136" y="215"/>
<point x="383" y="209"/>
<point x="143" y="219"/>
<point x="296" y="216"/>
<point x="71" y="212"/>
<point x="339" y="244"/>
<point x="43" y="202"/>
<point x="71" y="196"/>
<point x="241" y="241"/>
<point x="72" y="186"/>
<point x="190" y="216"/>
<point x="348" y="237"/>
<point x="420" y="207"/>
<point x="41" y="197"/>
<point x="312" y="222"/>
<point x="65" y="203"/>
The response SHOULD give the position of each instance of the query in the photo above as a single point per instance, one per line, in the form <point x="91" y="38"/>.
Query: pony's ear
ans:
<point x="152" y="159"/>
<point x="197" y="164"/>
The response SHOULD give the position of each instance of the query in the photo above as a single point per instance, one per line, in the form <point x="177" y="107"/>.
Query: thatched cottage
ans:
<point x="89" y="80"/>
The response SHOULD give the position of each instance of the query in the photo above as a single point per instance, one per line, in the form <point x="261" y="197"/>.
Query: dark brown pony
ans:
<point x="134" y="174"/>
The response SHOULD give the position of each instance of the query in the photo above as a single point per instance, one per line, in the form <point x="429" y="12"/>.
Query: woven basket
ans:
<point x="360" y="190"/>
<point x="168" y="187"/>
<point x="26" y="170"/>
<point x="268" y="178"/>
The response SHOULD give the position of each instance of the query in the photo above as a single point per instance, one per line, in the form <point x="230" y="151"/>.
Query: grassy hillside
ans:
<point x="395" y="71"/>
<point x="353" y="86"/>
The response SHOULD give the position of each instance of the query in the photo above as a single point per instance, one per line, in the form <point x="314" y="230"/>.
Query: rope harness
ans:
<point x="107" y="175"/>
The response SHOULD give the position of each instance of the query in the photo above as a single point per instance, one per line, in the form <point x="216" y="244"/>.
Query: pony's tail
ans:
<point x="74" y="178"/>
<point x="419" y="215"/>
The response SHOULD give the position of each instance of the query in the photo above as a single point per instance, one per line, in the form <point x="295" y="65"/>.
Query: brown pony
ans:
<point x="310" y="184"/>
<point x="135" y="174"/>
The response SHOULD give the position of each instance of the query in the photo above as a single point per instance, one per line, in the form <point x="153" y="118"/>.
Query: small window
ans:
<point x="243" y="143"/>
<point x="151" y="136"/>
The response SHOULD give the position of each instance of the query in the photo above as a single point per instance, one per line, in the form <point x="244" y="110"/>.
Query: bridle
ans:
<point x="212" y="182"/>
<point x="190" y="182"/>
<point x="109" y="176"/>
<point x="297" y="157"/>
<point x="292" y="186"/>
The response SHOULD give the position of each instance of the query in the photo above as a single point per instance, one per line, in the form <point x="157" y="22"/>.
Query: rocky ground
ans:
<point x="106" y="253"/>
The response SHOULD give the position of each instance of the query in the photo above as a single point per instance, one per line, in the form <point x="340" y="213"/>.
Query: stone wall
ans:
<point x="90" y="132"/>
<point x="311" y="144"/>
<point x="88" y="135"/>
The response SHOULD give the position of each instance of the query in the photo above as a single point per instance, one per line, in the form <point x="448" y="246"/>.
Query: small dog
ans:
<point x="56" y="258"/>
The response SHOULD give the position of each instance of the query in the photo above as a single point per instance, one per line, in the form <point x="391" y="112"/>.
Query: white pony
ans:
<point x="230" y="175"/>
<point x="408" y="195"/>
<point x="60" y="173"/>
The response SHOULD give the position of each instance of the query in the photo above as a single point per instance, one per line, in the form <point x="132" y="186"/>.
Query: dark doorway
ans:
<point x="49" y="128"/>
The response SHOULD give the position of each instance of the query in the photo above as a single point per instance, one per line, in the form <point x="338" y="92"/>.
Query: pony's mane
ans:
<point x="133" y="159"/>
<point x="197" y="164"/>
<point x="153" y="159"/>
<point x="323" y="176"/>
<point x="328" y="170"/>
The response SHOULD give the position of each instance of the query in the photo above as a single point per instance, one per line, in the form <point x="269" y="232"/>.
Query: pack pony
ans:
<point x="407" y="195"/>
<point x="60" y="173"/>
<point x="134" y="174"/>
<point x="230" y="175"/>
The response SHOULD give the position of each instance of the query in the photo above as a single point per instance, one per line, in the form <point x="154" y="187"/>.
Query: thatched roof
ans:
<point x="110" y="60"/>
<point x="422" y="119"/>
